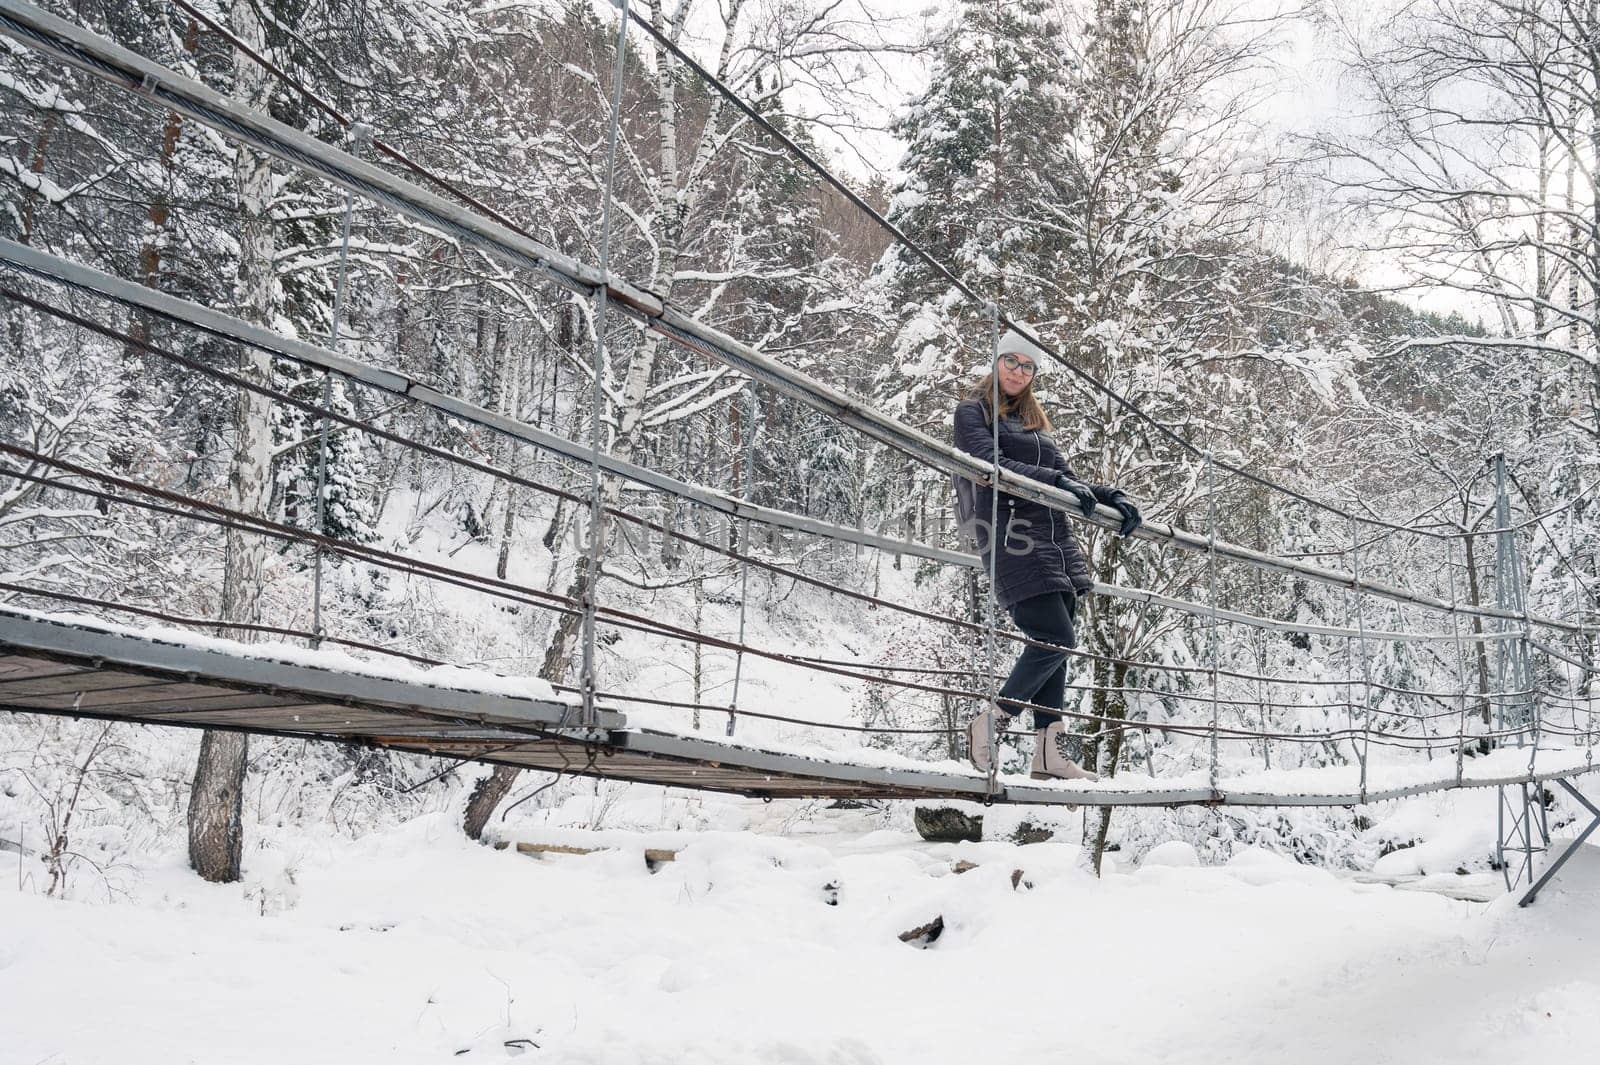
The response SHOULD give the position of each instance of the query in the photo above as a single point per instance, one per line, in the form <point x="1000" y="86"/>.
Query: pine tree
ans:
<point x="977" y="175"/>
<point x="347" y="512"/>
<point x="979" y="162"/>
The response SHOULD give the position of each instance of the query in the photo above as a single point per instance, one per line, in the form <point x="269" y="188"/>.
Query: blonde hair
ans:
<point x="1024" y="404"/>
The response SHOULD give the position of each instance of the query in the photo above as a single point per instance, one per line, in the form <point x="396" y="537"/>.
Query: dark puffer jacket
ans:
<point x="1038" y="552"/>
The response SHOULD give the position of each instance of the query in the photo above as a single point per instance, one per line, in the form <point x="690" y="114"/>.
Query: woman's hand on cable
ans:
<point x="1085" y="494"/>
<point x="1131" y="518"/>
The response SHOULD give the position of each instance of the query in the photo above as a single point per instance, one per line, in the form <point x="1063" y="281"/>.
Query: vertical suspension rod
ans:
<point x="1461" y="663"/>
<point x="744" y="552"/>
<point x="359" y="132"/>
<point x="1216" y="646"/>
<point x="1366" y="664"/>
<point x="596" y="515"/>
<point x="994" y="551"/>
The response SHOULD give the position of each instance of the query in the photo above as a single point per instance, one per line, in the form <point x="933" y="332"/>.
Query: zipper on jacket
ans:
<point x="1038" y="460"/>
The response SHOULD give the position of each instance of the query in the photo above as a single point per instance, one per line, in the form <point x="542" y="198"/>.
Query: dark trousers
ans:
<point x="1040" y="675"/>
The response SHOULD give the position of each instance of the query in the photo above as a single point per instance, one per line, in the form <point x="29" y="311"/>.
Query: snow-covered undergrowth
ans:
<point x="776" y="938"/>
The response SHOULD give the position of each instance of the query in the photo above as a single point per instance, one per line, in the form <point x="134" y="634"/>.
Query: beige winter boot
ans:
<point x="1050" y="761"/>
<point x="983" y="732"/>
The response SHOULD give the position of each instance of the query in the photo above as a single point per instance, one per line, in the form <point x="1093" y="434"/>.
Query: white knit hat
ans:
<point x="1022" y="344"/>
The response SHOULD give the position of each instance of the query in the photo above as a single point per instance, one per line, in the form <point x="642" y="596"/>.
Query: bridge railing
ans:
<point x="1384" y="615"/>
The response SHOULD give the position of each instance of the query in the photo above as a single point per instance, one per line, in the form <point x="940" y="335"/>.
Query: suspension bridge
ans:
<point x="63" y="656"/>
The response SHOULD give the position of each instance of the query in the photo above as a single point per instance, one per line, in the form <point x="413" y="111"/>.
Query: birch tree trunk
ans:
<point x="216" y="831"/>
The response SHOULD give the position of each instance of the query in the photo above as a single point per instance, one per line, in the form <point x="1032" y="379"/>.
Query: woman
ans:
<point x="1039" y="573"/>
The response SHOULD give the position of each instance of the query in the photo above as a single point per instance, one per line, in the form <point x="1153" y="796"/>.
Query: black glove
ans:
<point x="1084" y="493"/>
<point x="1131" y="518"/>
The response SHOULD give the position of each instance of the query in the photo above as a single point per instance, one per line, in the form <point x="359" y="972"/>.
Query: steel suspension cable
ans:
<point x="452" y="457"/>
<point x="722" y="89"/>
<point x="73" y="45"/>
<point x="323" y="160"/>
<point x="483" y="467"/>
<point x="956" y="281"/>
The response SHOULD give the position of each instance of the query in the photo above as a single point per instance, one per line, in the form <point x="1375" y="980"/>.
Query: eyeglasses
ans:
<point x="1012" y="362"/>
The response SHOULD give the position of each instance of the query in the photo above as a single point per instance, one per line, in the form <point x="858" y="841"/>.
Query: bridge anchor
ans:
<point x="1572" y="848"/>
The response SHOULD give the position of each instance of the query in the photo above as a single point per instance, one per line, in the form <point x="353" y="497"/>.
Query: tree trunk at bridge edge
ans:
<point x="216" y="801"/>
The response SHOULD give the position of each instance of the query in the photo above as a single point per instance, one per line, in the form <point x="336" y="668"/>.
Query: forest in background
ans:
<point x="1105" y="168"/>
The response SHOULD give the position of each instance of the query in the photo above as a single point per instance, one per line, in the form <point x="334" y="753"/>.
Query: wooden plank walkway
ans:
<point x="82" y="668"/>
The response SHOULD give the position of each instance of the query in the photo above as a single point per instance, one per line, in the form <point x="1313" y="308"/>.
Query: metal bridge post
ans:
<point x="1589" y="675"/>
<point x="1424" y="718"/>
<point x="1349" y="674"/>
<point x="1461" y="668"/>
<point x="744" y="553"/>
<point x="1524" y="829"/>
<point x="360" y="133"/>
<point x="1366" y="664"/>
<point x="596" y="514"/>
<point x="1216" y="643"/>
<point x="1512" y="712"/>
<point x="1577" y="615"/>
<point x="1263" y="696"/>
<point x="995" y="542"/>
<point x="1579" y="594"/>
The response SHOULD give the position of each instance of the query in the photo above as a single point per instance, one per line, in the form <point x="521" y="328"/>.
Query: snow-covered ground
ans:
<point x="776" y="939"/>
<point x="368" y="930"/>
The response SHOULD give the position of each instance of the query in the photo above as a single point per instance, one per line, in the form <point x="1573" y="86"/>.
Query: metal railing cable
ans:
<point x="1402" y="742"/>
<point x="101" y="603"/>
<point x="224" y="326"/>
<point x="1159" y="694"/>
<point x="1394" y="740"/>
<point x="216" y="514"/>
<point x="476" y="203"/>
<point x="212" y="624"/>
<point x="104" y="59"/>
<point x="1434" y="695"/>
<point x="289" y="632"/>
<point x="216" y="373"/>
<point x="1399" y="741"/>
<point x="179" y="620"/>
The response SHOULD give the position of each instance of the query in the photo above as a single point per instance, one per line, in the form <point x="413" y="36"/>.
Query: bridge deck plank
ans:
<point x="20" y="667"/>
<point x="125" y="676"/>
